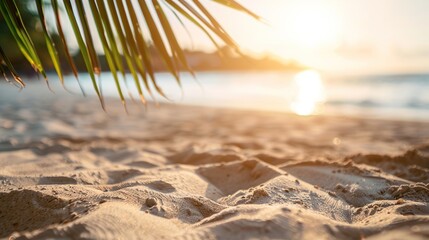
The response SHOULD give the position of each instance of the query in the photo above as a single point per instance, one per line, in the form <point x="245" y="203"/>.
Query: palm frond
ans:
<point x="127" y="30"/>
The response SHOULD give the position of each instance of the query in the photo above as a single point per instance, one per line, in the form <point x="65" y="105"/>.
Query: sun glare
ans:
<point x="315" y="25"/>
<point x="310" y="93"/>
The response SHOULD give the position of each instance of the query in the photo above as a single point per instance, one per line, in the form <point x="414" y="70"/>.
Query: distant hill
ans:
<point x="199" y="61"/>
<point x="223" y="60"/>
<point x="226" y="60"/>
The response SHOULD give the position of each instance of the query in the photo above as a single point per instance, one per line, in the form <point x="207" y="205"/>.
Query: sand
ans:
<point x="69" y="170"/>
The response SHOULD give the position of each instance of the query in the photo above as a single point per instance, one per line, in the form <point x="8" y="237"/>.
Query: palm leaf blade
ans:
<point x="49" y="43"/>
<point x="62" y="37"/>
<point x="83" y="48"/>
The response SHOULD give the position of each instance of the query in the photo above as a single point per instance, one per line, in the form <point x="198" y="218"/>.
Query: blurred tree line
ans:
<point x="32" y="22"/>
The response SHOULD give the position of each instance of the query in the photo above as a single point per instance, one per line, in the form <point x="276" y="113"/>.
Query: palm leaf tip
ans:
<point x="6" y="66"/>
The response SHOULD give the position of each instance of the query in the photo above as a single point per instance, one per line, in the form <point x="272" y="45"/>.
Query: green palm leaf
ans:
<point x="49" y="43"/>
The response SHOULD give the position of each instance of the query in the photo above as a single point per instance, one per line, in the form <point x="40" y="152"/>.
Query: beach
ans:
<point x="70" y="170"/>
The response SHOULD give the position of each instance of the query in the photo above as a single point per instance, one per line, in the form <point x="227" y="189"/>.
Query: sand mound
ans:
<point x="27" y="210"/>
<point x="411" y="165"/>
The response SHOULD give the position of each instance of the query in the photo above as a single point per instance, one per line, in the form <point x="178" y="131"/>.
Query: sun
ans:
<point x="310" y="93"/>
<point x="315" y="24"/>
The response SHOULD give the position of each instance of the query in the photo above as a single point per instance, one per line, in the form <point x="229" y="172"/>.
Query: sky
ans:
<point x="345" y="36"/>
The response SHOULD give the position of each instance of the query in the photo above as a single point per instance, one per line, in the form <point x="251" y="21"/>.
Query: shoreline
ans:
<point x="193" y="96"/>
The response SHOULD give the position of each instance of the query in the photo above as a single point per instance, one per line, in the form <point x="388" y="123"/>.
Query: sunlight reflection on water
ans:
<point x="310" y="93"/>
<point x="305" y="93"/>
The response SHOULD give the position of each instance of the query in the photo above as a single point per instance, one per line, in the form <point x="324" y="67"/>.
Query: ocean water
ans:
<point x="306" y="93"/>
